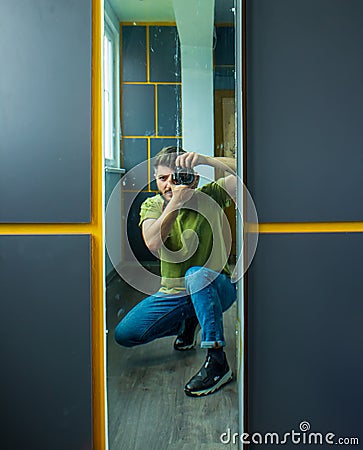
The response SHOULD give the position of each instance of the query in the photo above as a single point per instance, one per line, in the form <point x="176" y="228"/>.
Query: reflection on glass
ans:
<point x="177" y="90"/>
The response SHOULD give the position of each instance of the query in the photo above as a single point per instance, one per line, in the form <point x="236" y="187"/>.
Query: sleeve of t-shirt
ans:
<point x="151" y="208"/>
<point x="217" y="190"/>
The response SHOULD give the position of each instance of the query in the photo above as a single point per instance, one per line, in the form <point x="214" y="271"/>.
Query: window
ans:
<point x="111" y="128"/>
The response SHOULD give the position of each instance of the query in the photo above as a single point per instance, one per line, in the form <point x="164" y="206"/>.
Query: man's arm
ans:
<point x="156" y="231"/>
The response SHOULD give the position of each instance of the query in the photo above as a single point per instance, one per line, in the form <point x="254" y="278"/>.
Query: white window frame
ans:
<point x="112" y="155"/>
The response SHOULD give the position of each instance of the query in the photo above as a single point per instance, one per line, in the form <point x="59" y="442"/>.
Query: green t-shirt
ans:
<point x="201" y="220"/>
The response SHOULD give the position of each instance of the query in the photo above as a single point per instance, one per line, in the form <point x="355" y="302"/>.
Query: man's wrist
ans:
<point x="173" y="206"/>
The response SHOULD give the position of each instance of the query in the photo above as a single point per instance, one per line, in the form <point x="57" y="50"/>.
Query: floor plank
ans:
<point x="147" y="406"/>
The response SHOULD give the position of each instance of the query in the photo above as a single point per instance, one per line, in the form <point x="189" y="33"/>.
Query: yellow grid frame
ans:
<point x="148" y="138"/>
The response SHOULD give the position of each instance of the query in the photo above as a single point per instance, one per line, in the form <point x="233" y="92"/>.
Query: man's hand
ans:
<point x="156" y="231"/>
<point x="181" y="195"/>
<point x="190" y="160"/>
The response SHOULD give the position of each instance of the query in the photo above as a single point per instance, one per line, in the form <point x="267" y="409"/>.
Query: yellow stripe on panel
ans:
<point x="137" y="191"/>
<point x="310" y="227"/>
<point x="147" y="53"/>
<point x="156" y="110"/>
<point x="120" y="80"/>
<point x="226" y="24"/>
<point x="154" y="137"/>
<point x="151" y="24"/>
<point x="157" y="82"/>
<point x="148" y="164"/>
<point x="98" y="308"/>
<point x="46" y="228"/>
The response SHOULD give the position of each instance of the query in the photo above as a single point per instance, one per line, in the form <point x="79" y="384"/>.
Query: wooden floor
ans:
<point x="147" y="407"/>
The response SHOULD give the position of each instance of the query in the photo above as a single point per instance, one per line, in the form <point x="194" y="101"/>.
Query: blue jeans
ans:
<point x="207" y="296"/>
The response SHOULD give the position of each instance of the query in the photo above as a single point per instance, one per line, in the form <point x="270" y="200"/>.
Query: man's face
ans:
<point x="164" y="182"/>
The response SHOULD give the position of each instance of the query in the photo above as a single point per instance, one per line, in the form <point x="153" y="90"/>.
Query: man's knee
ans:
<point x="192" y="270"/>
<point x="125" y="336"/>
<point x="197" y="278"/>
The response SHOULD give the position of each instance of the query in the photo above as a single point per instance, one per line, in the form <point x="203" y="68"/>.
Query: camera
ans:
<point x="183" y="176"/>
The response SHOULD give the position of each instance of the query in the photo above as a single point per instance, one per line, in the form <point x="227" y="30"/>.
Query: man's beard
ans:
<point x="166" y="198"/>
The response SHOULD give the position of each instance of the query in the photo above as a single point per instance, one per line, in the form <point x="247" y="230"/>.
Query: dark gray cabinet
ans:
<point x="304" y="158"/>
<point x="45" y="345"/>
<point x="45" y="178"/>
<point x="45" y="111"/>
<point x="304" y="109"/>
<point x="305" y="335"/>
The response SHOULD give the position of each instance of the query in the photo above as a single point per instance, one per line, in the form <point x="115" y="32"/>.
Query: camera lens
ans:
<point x="183" y="176"/>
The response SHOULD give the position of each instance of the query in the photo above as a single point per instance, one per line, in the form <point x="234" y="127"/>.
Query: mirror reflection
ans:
<point x="169" y="125"/>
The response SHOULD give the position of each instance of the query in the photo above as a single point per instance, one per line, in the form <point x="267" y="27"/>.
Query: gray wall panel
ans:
<point x="138" y="118"/>
<point x="164" y="54"/>
<point x="224" y="78"/>
<point x="169" y="110"/>
<point x="45" y="308"/>
<point x="305" y="334"/>
<point x="134" y="152"/>
<point x="45" y="111"/>
<point x="304" y="109"/>
<point x="224" y="52"/>
<point x="133" y="53"/>
<point x="158" y="144"/>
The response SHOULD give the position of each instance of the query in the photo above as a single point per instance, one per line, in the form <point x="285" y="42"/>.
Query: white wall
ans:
<point x="195" y="23"/>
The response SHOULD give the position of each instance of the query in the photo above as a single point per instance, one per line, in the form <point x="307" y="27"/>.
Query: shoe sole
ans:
<point x="192" y="345"/>
<point x="224" y="380"/>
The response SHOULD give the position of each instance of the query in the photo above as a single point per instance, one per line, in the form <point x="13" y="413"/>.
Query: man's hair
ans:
<point x="167" y="156"/>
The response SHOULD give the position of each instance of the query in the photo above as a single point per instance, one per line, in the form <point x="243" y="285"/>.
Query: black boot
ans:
<point x="211" y="377"/>
<point x="188" y="338"/>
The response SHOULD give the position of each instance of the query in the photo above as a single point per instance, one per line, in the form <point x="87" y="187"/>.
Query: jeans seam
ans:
<point x="213" y="310"/>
